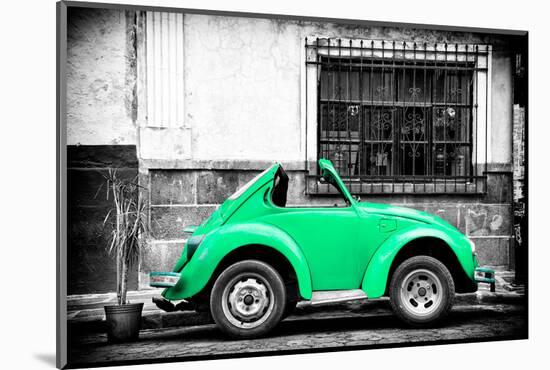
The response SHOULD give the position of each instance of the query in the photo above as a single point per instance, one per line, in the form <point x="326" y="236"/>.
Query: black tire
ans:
<point x="251" y="288"/>
<point x="417" y="282"/>
<point x="201" y="304"/>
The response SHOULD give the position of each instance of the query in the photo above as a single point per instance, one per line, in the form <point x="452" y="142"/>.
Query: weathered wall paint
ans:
<point x="501" y="107"/>
<point x="242" y="88"/>
<point x="101" y="77"/>
<point x="243" y="85"/>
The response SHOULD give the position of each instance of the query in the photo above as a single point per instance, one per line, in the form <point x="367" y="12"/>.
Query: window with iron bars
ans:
<point x="401" y="117"/>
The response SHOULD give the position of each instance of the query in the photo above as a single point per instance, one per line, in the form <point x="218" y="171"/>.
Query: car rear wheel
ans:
<point x="421" y="291"/>
<point x="248" y="299"/>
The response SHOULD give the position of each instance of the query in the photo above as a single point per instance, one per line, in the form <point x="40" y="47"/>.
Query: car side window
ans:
<point x="280" y="188"/>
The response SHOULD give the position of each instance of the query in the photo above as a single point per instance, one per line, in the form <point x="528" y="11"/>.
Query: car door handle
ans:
<point x="387" y="225"/>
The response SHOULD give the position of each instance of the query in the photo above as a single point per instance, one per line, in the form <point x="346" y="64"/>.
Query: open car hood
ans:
<point x="329" y="173"/>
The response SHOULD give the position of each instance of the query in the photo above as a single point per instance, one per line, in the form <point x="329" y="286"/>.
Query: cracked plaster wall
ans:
<point x="243" y="84"/>
<point x="100" y="77"/>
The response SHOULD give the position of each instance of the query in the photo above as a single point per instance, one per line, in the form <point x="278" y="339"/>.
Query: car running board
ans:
<point x="332" y="296"/>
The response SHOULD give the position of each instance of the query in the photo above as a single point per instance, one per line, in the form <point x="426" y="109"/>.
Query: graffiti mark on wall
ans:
<point x="479" y="224"/>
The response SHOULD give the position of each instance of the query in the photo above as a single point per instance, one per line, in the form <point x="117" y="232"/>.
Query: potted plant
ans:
<point x="129" y="226"/>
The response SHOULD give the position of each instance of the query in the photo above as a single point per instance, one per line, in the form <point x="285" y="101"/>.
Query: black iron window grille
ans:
<point x="401" y="117"/>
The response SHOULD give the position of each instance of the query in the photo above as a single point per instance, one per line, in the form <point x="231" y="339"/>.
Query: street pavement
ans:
<point x="480" y="316"/>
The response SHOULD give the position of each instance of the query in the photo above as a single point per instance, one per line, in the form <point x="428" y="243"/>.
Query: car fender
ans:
<point x="376" y="274"/>
<point x="215" y="246"/>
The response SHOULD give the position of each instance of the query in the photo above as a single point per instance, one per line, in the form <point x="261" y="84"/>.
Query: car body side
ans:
<point x="328" y="248"/>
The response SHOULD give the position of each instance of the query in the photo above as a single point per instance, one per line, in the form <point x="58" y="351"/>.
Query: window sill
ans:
<point x="440" y="186"/>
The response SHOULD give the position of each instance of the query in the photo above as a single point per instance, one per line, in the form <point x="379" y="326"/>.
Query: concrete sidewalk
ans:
<point x="86" y="315"/>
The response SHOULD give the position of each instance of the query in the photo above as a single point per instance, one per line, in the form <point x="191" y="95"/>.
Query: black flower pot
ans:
<point x="123" y="322"/>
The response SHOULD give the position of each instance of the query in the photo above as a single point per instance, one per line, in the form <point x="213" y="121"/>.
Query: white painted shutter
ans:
<point x="164" y="45"/>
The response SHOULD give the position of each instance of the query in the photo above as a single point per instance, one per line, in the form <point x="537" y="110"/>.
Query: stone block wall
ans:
<point x="180" y="198"/>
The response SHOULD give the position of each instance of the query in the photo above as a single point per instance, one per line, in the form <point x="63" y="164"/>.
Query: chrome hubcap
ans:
<point x="247" y="301"/>
<point x="421" y="292"/>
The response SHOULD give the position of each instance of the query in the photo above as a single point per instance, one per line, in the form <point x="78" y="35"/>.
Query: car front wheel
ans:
<point x="248" y="299"/>
<point x="421" y="291"/>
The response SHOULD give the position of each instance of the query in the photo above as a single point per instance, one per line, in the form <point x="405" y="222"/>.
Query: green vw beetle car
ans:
<point x="255" y="258"/>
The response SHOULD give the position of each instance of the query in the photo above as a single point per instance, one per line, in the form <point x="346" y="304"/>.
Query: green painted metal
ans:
<point x="330" y="248"/>
<point x="172" y="278"/>
<point x="331" y="175"/>
<point x="376" y="274"/>
<point x="227" y="238"/>
<point x="484" y="275"/>
<point x="190" y="229"/>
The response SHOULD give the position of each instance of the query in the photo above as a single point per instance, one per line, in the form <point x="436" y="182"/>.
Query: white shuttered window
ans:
<point x="165" y="65"/>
